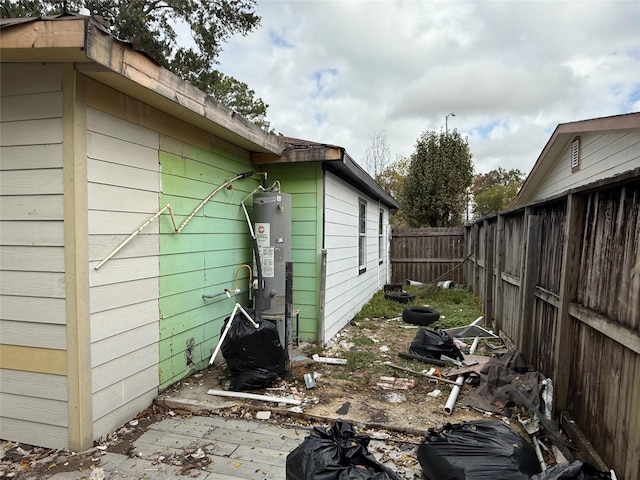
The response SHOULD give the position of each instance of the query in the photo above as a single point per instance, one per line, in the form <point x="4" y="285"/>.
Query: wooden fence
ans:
<point x="427" y="255"/>
<point x="561" y="279"/>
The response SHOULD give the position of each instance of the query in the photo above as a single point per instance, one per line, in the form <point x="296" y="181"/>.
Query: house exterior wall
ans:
<point x="304" y="183"/>
<point x="602" y="156"/>
<point x="123" y="186"/>
<point x="33" y="373"/>
<point x="207" y="256"/>
<point x="347" y="290"/>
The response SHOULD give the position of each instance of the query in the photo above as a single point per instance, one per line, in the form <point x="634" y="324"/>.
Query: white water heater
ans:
<point x="272" y="229"/>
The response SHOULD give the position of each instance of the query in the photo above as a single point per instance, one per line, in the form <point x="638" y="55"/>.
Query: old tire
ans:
<point x="401" y="297"/>
<point x="392" y="287"/>
<point x="420" y="315"/>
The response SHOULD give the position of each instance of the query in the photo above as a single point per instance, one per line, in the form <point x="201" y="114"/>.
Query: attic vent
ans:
<point x="575" y="154"/>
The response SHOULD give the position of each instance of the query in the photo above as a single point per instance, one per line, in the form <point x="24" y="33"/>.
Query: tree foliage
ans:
<point x="434" y="192"/>
<point x="391" y="179"/>
<point x="493" y="191"/>
<point x="154" y="25"/>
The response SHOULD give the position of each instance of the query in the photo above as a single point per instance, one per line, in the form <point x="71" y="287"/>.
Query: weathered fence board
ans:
<point x="427" y="255"/>
<point x="565" y="287"/>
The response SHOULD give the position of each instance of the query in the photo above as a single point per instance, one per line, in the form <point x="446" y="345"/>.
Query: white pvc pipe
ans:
<point x="474" y="345"/>
<point x="448" y="407"/>
<point x="253" y="396"/>
<point x="142" y="227"/>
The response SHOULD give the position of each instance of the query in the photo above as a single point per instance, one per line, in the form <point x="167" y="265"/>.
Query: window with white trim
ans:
<point x="362" y="236"/>
<point x="381" y="241"/>
<point x="575" y="154"/>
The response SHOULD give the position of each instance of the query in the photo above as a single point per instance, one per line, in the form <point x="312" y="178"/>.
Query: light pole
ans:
<point x="446" y="122"/>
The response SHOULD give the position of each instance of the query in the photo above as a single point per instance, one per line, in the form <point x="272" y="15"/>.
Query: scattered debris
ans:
<point x="331" y="361"/>
<point x="433" y="377"/>
<point x="253" y="396"/>
<point x="453" y="396"/>
<point x="344" y="408"/>
<point x="309" y="380"/>
<point x="388" y="383"/>
<point x="263" y="415"/>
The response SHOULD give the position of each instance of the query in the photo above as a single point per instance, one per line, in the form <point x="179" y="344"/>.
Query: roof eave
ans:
<point x="98" y="55"/>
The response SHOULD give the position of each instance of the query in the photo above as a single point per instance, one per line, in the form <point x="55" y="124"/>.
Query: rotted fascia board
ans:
<point x="44" y="41"/>
<point x="132" y="73"/>
<point x="314" y="153"/>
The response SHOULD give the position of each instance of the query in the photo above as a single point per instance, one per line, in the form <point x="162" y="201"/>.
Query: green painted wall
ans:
<point x="204" y="257"/>
<point x="304" y="183"/>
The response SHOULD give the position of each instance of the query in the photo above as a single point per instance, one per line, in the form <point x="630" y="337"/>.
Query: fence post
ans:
<point x="489" y="232"/>
<point x="528" y="283"/>
<point x="499" y="306"/>
<point x="569" y="272"/>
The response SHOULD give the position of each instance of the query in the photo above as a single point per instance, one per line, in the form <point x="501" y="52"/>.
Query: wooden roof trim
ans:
<point x="82" y="40"/>
<point x="44" y="34"/>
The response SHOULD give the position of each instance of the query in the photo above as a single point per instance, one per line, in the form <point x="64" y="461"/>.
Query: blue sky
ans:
<point x="337" y="71"/>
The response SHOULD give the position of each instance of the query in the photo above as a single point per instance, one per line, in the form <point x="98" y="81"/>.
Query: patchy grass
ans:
<point x="457" y="306"/>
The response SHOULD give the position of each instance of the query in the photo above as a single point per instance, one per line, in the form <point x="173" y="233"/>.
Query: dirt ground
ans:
<point x="381" y="401"/>
<point x="409" y="403"/>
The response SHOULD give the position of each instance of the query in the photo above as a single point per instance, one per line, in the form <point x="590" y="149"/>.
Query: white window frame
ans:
<point x="362" y="235"/>
<point x="381" y="242"/>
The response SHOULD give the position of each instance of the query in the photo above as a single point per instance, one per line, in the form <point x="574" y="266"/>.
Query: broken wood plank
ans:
<point x="580" y="440"/>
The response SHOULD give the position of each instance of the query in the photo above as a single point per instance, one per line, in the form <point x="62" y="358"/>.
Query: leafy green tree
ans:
<point x="153" y="26"/>
<point x="494" y="190"/>
<point x="434" y="192"/>
<point x="390" y="179"/>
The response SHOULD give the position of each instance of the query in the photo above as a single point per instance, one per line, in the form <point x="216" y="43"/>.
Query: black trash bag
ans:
<point x="570" y="471"/>
<point x="254" y="356"/>
<point x="336" y="454"/>
<point x="434" y="344"/>
<point x="481" y="450"/>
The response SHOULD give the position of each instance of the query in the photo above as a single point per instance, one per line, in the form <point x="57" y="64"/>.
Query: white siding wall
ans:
<point x="602" y="156"/>
<point x="347" y="290"/>
<point x="123" y="191"/>
<point x="32" y="292"/>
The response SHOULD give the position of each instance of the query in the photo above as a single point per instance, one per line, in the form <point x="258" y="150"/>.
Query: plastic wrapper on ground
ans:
<point x="482" y="450"/>
<point x="336" y="453"/>
<point x="254" y="356"/>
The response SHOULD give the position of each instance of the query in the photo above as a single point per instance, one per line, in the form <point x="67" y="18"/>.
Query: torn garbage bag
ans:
<point x="336" y="454"/>
<point x="572" y="471"/>
<point x="434" y="344"/>
<point x="481" y="450"/>
<point x="254" y="356"/>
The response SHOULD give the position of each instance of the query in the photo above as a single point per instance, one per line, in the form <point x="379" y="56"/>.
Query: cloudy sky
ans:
<point x="337" y="71"/>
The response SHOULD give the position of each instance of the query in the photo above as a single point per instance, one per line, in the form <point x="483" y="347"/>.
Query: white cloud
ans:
<point x="337" y="71"/>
